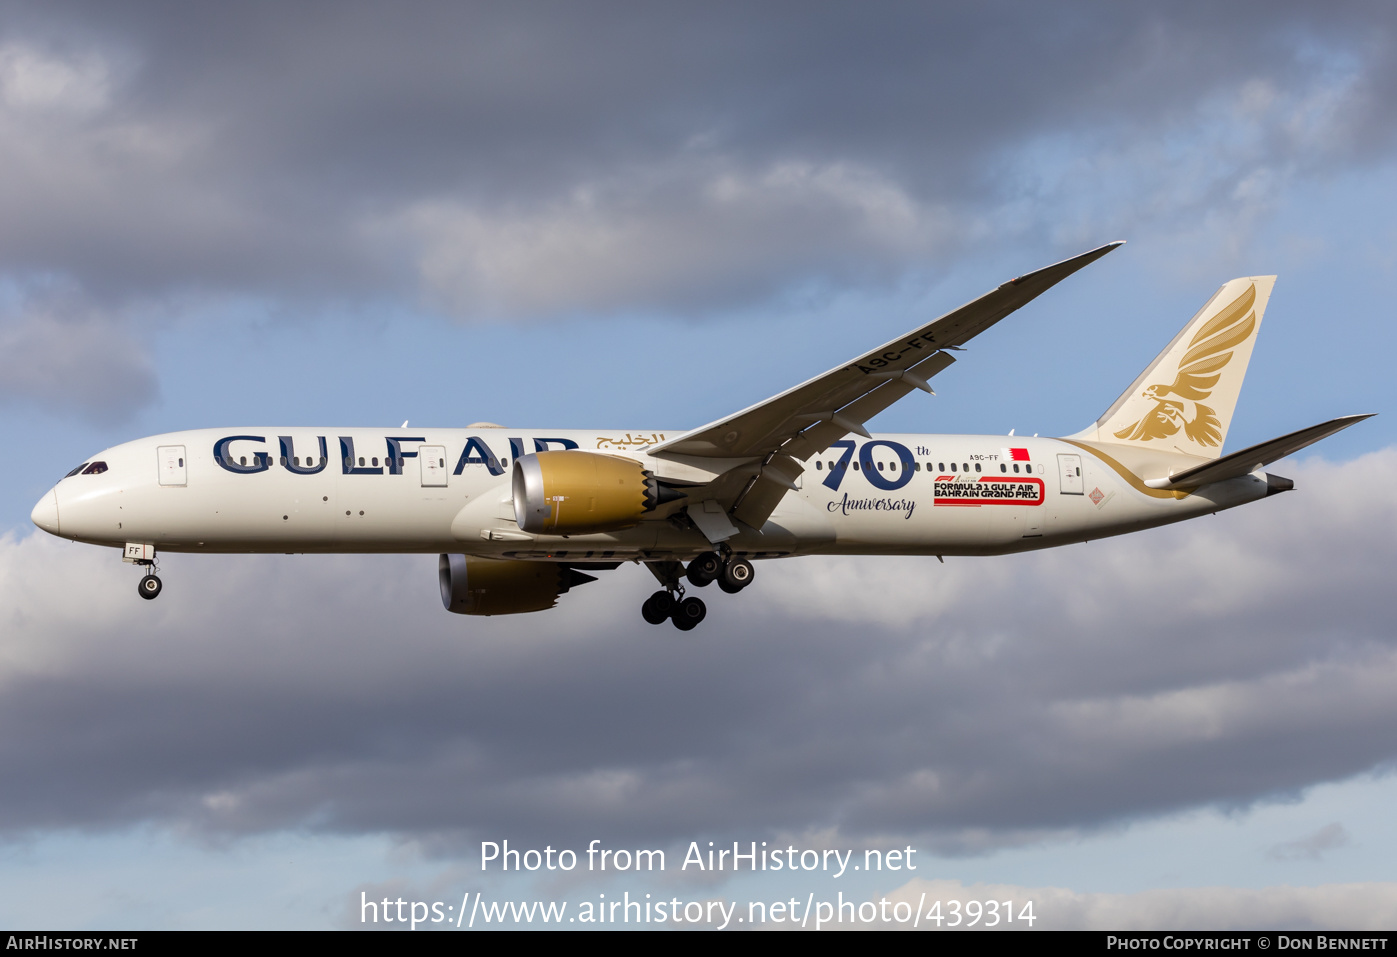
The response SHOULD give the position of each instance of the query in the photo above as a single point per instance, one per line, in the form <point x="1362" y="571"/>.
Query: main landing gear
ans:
<point x="731" y="574"/>
<point x="686" y="613"/>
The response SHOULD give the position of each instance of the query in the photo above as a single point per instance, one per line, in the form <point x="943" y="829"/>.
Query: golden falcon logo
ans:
<point x="1208" y="354"/>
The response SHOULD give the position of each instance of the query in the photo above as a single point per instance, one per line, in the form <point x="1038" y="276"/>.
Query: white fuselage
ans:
<point x="448" y="491"/>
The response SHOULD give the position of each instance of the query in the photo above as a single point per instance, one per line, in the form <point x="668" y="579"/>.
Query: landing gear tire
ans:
<point x="738" y="574"/>
<point x="149" y="587"/>
<point x="688" y="613"/>
<point x="656" y="609"/>
<point x="705" y="569"/>
<point x="730" y="589"/>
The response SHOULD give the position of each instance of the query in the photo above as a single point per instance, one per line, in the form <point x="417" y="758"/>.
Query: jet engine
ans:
<point x="489" y="586"/>
<point x="575" y="493"/>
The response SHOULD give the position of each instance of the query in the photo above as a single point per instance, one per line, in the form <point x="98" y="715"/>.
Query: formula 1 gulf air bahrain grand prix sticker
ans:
<point x="987" y="490"/>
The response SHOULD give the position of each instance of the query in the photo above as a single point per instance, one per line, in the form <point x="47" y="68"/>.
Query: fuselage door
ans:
<point x="433" y="461"/>
<point x="172" y="468"/>
<point x="1069" y="470"/>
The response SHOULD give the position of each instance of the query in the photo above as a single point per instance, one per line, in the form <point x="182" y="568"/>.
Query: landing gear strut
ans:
<point x="143" y="556"/>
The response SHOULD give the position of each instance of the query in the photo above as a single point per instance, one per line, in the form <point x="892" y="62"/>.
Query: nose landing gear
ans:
<point x="143" y="556"/>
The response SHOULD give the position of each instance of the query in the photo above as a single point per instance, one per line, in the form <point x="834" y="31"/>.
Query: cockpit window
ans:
<point x="76" y="470"/>
<point x="96" y="468"/>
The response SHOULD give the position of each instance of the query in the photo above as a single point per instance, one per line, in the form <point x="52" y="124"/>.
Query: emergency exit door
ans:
<point x="433" y="461"/>
<point x="172" y="468"/>
<point x="1069" y="470"/>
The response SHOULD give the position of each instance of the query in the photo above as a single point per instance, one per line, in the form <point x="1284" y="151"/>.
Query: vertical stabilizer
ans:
<point x="1183" y="401"/>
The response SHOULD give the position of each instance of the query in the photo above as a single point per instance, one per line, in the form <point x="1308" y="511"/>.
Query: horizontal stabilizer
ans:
<point x="1250" y="459"/>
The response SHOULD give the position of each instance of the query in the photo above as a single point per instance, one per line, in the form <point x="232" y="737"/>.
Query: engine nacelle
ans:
<point x="489" y="586"/>
<point x="575" y="493"/>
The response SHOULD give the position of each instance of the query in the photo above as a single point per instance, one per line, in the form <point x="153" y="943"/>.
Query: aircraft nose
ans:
<point x="45" y="514"/>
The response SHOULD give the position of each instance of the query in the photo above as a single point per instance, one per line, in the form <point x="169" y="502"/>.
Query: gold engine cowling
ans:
<point x="574" y="492"/>
<point x="489" y="586"/>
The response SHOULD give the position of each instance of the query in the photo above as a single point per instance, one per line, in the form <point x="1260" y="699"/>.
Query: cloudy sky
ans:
<point x="647" y="216"/>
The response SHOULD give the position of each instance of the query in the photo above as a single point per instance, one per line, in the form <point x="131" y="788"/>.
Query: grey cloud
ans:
<point x="64" y="356"/>
<point x="659" y="244"/>
<point x="548" y="157"/>
<point x="1313" y="846"/>
<point x="1222" y="662"/>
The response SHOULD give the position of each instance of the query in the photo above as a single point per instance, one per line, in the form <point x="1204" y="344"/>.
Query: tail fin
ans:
<point x="1183" y="401"/>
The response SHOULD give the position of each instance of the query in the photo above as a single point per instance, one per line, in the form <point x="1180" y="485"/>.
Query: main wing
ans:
<point x="775" y="436"/>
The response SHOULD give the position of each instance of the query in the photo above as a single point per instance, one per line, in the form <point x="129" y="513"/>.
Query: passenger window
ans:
<point x="953" y="466"/>
<point x="375" y="462"/>
<point x="1003" y="468"/>
<point x="977" y="466"/>
<point x="242" y="460"/>
<point x="940" y="466"/>
<point x="880" y="466"/>
<point x="361" y="461"/>
<point x="819" y="466"/>
<point x="181" y="463"/>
